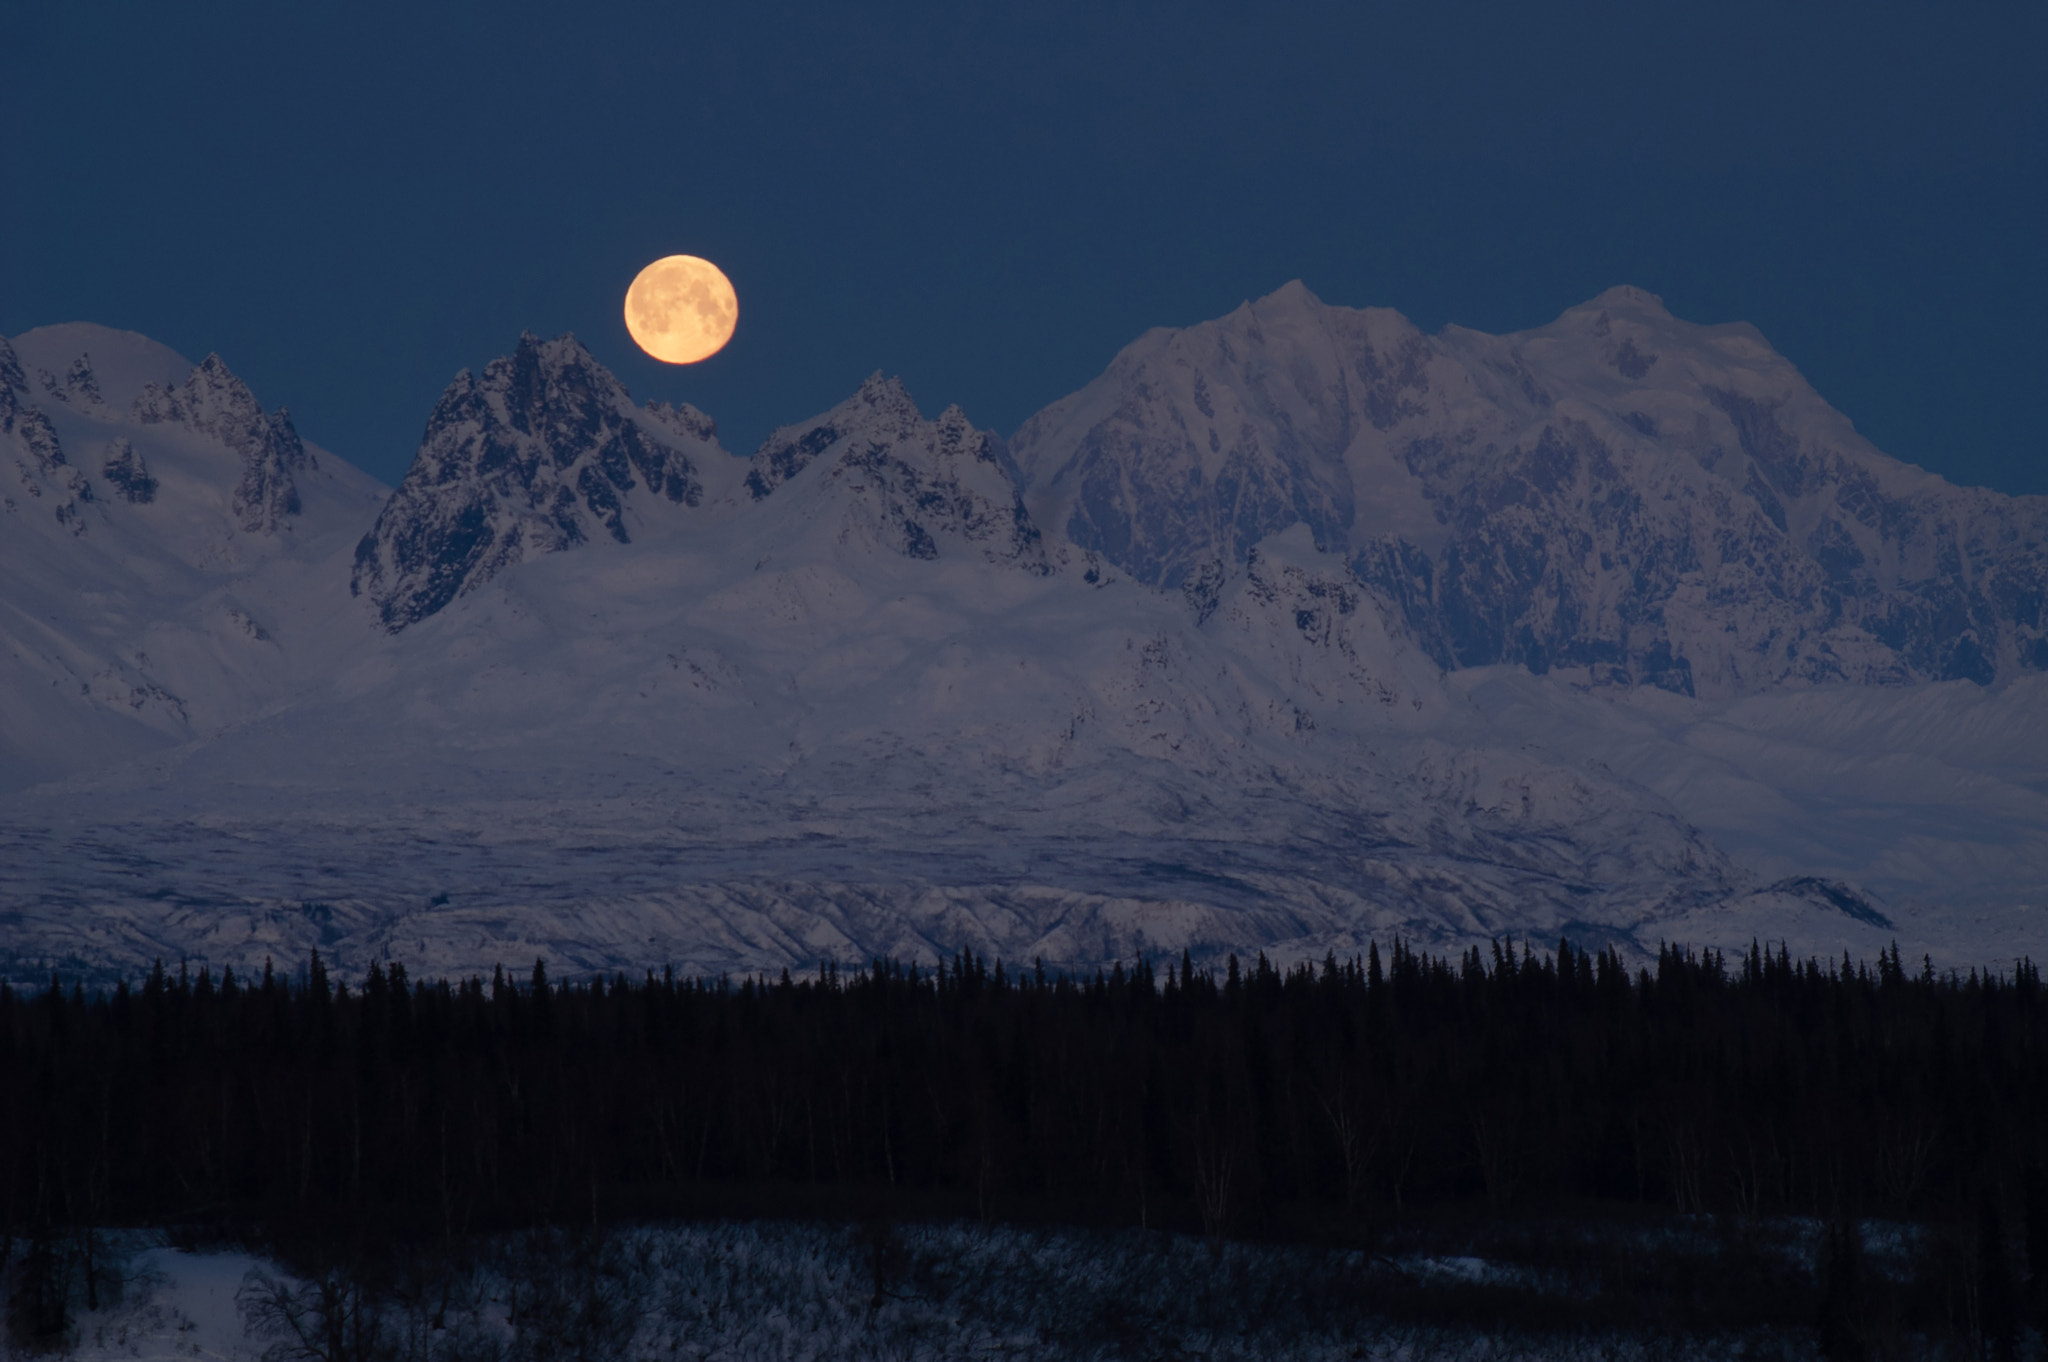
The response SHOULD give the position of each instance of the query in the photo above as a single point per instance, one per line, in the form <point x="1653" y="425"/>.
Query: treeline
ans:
<point x="1253" y="1100"/>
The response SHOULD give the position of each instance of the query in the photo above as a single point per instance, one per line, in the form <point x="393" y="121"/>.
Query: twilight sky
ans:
<point x="350" y="202"/>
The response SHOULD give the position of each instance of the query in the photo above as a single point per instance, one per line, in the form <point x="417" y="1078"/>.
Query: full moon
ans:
<point x="681" y="309"/>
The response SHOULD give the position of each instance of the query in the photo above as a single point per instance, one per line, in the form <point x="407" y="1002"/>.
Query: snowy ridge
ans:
<point x="894" y="480"/>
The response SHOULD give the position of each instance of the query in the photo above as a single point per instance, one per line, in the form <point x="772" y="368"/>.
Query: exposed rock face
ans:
<point x="215" y="403"/>
<point x="81" y="384"/>
<point x="128" y="472"/>
<point x="1649" y="501"/>
<point x="542" y="452"/>
<point x="38" y="458"/>
<point x="11" y="376"/>
<point x="902" y="483"/>
<point x="266" y="494"/>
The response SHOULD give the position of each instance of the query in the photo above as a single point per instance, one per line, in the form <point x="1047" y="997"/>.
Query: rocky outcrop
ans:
<point x="1622" y="494"/>
<point x="215" y="403"/>
<point x="11" y="377"/>
<point x="81" y="384"/>
<point x="545" y="450"/>
<point x="128" y="472"/>
<point x="41" y="470"/>
<point x="883" y="475"/>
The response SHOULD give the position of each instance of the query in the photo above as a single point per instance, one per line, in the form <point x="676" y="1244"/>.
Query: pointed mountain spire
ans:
<point x="542" y="452"/>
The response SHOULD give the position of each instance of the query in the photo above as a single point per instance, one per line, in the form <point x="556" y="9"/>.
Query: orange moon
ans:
<point x="682" y="309"/>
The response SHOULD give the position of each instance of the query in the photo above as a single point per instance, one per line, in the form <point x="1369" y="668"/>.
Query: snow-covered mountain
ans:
<point x="1619" y="495"/>
<point x="170" y="552"/>
<point x="589" y="687"/>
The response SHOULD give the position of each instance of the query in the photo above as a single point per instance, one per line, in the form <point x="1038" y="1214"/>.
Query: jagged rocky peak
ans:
<point x="1620" y="494"/>
<point x="11" y="376"/>
<point x="881" y="413"/>
<point x="885" y="476"/>
<point x="543" y="451"/>
<point x="213" y="402"/>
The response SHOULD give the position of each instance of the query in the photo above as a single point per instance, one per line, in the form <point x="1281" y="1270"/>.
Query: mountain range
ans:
<point x="1295" y="629"/>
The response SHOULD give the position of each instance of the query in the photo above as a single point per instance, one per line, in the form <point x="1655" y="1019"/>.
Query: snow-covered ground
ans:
<point x="171" y="1306"/>
<point x="781" y="1290"/>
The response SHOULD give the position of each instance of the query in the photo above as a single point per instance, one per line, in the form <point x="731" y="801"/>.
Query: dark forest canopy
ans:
<point x="1257" y="1101"/>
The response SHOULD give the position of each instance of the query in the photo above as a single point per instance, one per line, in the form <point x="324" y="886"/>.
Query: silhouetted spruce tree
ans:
<point x="543" y="1000"/>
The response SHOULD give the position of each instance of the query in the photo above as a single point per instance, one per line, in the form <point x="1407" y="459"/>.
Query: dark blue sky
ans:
<point x="350" y="202"/>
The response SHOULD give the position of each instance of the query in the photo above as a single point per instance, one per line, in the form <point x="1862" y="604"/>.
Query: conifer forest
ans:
<point x="1340" y="1105"/>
